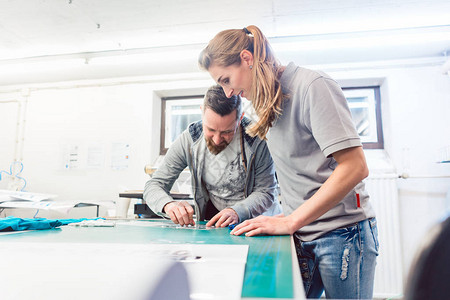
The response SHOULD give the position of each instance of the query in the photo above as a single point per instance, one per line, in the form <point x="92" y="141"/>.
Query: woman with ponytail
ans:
<point x="319" y="161"/>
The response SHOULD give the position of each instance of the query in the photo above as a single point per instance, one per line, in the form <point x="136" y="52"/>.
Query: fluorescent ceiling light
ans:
<point x="149" y="57"/>
<point x="40" y="65"/>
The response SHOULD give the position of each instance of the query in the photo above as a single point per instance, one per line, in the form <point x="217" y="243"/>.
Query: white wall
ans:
<point x="416" y="124"/>
<point x="420" y="110"/>
<point x="8" y="116"/>
<point x="87" y="115"/>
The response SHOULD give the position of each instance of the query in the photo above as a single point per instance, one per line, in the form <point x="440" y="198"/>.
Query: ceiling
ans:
<point x="55" y="40"/>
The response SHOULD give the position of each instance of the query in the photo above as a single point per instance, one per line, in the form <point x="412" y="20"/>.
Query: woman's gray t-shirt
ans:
<point x="315" y="123"/>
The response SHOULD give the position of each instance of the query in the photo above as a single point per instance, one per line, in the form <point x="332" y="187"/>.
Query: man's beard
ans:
<point x="215" y="149"/>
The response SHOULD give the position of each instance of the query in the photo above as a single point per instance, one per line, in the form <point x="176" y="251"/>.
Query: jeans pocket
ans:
<point x="374" y="230"/>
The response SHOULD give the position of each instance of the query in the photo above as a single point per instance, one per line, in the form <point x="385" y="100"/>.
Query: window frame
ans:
<point x="162" y="148"/>
<point x="379" y="144"/>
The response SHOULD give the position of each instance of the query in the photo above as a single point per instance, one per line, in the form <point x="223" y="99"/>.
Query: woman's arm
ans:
<point x="350" y="170"/>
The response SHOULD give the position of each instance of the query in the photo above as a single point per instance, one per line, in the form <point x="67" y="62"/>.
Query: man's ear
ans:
<point x="246" y="57"/>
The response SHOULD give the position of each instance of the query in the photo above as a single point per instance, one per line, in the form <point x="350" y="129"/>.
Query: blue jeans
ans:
<point x="341" y="262"/>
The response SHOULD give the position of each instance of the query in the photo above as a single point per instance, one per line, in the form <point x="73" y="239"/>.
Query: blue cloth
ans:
<point x="17" y="224"/>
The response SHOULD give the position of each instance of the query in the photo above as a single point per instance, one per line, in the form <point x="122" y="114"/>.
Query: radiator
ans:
<point x="384" y="199"/>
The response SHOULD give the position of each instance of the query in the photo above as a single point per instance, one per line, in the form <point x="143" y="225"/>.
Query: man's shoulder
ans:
<point x="251" y="140"/>
<point x="195" y="130"/>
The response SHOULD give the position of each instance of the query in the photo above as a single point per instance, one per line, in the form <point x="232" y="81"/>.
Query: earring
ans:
<point x="251" y="67"/>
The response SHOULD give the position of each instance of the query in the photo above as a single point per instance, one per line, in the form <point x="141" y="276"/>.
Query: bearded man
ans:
<point x="232" y="173"/>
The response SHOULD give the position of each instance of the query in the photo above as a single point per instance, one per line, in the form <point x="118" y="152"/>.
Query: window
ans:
<point x="364" y="104"/>
<point x="176" y="114"/>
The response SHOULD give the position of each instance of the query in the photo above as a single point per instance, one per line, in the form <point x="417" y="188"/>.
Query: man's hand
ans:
<point x="224" y="218"/>
<point x="180" y="212"/>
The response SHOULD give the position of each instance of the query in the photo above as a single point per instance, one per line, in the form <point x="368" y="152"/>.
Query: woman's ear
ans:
<point x="247" y="57"/>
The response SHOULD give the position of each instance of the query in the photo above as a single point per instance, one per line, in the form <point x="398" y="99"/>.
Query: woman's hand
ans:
<point x="277" y="225"/>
